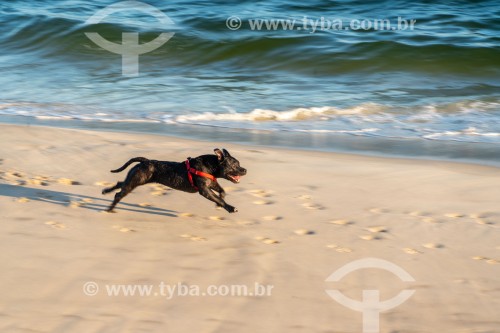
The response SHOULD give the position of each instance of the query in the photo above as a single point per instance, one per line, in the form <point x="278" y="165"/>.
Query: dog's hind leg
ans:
<point x="135" y="177"/>
<point x="126" y="189"/>
<point x="111" y="189"/>
<point x="118" y="196"/>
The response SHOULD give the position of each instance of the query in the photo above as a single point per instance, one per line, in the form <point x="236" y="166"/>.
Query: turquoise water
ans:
<point x="438" y="82"/>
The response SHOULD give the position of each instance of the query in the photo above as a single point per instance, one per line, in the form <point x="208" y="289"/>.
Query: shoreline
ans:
<point x="291" y="150"/>
<point x="478" y="153"/>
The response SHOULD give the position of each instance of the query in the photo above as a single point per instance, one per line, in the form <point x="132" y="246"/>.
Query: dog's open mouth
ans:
<point x="234" y="178"/>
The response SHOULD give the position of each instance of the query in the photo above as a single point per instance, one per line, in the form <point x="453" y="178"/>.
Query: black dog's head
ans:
<point x="229" y="166"/>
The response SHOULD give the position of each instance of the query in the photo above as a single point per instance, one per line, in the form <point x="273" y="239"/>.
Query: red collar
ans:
<point x="198" y="173"/>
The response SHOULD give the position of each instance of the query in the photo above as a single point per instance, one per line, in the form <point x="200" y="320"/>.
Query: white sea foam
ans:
<point x="471" y="131"/>
<point x="298" y="114"/>
<point x="467" y="121"/>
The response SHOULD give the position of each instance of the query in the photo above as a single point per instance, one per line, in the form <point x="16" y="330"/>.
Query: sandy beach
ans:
<point x="302" y="216"/>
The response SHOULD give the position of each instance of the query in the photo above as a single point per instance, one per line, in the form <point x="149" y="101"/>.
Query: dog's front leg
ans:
<point x="207" y="193"/>
<point x="219" y="189"/>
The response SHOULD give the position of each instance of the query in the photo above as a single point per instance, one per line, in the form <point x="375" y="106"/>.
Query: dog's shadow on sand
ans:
<point x="65" y="199"/>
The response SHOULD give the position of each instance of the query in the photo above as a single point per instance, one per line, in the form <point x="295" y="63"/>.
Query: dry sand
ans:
<point x="302" y="216"/>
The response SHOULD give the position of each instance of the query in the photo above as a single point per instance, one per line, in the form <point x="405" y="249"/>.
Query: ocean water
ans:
<point x="432" y="90"/>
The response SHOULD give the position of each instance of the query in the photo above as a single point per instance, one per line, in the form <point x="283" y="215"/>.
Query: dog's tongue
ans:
<point x="236" y="177"/>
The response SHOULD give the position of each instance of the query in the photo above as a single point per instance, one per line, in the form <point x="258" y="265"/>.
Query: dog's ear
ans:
<point x="219" y="153"/>
<point x="226" y="153"/>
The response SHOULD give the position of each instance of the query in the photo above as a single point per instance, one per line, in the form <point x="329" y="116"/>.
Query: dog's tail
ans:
<point x="133" y="160"/>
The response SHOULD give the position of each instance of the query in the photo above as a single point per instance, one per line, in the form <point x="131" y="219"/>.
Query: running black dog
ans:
<point x="193" y="175"/>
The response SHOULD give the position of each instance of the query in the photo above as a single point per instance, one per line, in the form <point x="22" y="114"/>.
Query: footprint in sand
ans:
<point x="266" y="240"/>
<point x="55" y="225"/>
<point x="14" y="174"/>
<point x="123" y="229"/>
<point x="193" y="237"/>
<point x="216" y="218"/>
<point x="411" y="251"/>
<point x="429" y="220"/>
<point x="418" y="214"/>
<point x="198" y="238"/>
<point x="260" y="193"/>
<point x="453" y="215"/>
<point x="159" y="189"/>
<point x="341" y="222"/>
<point x="77" y="204"/>
<point x="481" y="221"/>
<point x="377" y="210"/>
<point x="159" y="193"/>
<point x="19" y="182"/>
<point x="370" y="237"/>
<point x="303" y="232"/>
<point x="67" y="181"/>
<point x="272" y="218"/>
<point x="263" y="202"/>
<point x="304" y="197"/>
<point x="23" y="200"/>
<point x="377" y="229"/>
<point x="433" y="246"/>
<point x="339" y="248"/>
<point x="46" y="178"/>
<point x="186" y="214"/>
<point x="478" y="215"/>
<point x="37" y="182"/>
<point x="486" y="259"/>
<point x="313" y="206"/>
<point x="145" y="204"/>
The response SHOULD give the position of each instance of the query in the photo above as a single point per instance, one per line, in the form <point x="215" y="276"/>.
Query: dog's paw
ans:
<point x="231" y="209"/>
